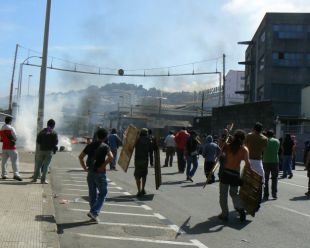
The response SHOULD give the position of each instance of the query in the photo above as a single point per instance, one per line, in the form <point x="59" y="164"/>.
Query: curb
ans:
<point x="49" y="226"/>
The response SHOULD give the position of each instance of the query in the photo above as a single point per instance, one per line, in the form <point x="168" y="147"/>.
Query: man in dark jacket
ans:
<point x="142" y="149"/>
<point x="191" y="152"/>
<point x="47" y="141"/>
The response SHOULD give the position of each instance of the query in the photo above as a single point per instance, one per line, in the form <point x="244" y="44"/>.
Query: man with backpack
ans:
<point x="98" y="156"/>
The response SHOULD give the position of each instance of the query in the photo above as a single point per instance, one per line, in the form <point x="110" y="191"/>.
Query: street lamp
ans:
<point x="29" y="76"/>
<point x="20" y="76"/>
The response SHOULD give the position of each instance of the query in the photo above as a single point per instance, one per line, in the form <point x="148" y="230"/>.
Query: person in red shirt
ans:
<point x="180" y="139"/>
<point x="8" y="137"/>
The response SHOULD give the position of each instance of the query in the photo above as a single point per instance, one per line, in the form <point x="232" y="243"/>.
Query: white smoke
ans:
<point x="26" y="119"/>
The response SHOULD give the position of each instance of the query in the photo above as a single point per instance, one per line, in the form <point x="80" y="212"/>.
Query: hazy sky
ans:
<point x="130" y="34"/>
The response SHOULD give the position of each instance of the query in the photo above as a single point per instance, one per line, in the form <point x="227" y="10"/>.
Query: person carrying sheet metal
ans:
<point x="230" y="180"/>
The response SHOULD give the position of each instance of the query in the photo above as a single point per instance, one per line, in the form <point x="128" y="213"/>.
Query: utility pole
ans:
<point x="202" y="101"/>
<point x="224" y="78"/>
<point x="29" y="76"/>
<point x="43" y="68"/>
<point x="220" y="86"/>
<point x="12" y="81"/>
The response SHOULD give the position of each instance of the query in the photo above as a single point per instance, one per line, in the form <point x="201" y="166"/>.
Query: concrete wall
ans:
<point x="243" y="116"/>
<point x="305" y="102"/>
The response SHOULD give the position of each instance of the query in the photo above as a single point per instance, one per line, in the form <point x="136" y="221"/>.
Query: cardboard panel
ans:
<point x="157" y="166"/>
<point x="251" y="190"/>
<point x="130" y="138"/>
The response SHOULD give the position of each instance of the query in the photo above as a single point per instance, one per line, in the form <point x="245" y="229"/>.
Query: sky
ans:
<point x="134" y="35"/>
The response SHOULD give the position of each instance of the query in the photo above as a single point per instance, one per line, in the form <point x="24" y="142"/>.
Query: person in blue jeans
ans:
<point x="98" y="156"/>
<point x="191" y="151"/>
<point x="288" y="147"/>
<point x="47" y="140"/>
<point x="114" y="142"/>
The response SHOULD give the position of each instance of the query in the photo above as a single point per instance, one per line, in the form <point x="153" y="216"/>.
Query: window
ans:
<point x="262" y="63"/>
<point x="263" y="37"/>
<point x="308" y="59"/>
<point x="287" y="59"/>
<point x="289" y="31"/>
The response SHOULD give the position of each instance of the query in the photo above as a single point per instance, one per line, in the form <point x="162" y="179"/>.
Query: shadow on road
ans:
<point x="45" y="218"/>
<point x="6" y="182"/>
<point x="213" y="224"/>
<point x="62" y="227"/>
<point x="193" y="185"/>
<point x="75" y="171"/>
<point x="174" y="182"/>
<point x="300" y="198"/>
<point x="170" y="173"/>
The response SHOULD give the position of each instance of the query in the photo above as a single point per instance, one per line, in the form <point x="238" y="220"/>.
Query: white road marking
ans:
<point x="295" y="174"/>
<point x="74" y="181"/>
<point x="159" y="216"/>
<point x="293" y="184"/>
<point x="177" y="229"/>
<point x="84" y="185"/>
<point x="119" y="213"/>
<point x="198" y="243"/>
<point x="77" y="185"/>
<point x="109" y="192"/>
<point x="195" y="243"/>
<point x="146" y="207"/>
<point x="292" y="210"/>
<point x="133" y="225"/>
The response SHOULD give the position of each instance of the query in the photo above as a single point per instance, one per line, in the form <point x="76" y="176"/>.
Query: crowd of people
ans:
<point x="259" y="150"/>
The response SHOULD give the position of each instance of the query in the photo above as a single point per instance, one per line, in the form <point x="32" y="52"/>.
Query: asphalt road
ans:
<point x="179" y="214"/>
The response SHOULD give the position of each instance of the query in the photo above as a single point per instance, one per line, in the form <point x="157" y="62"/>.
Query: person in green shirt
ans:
<point x="271" y="165"/>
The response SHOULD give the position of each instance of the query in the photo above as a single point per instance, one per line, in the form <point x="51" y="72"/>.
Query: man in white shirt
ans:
<point x="170" y="148"/>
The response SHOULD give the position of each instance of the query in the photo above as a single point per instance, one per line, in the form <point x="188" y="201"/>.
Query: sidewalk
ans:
<point x="26" y="210"/>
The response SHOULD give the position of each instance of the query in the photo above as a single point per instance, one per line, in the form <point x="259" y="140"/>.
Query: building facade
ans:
<point x="277" y="64"/>
<point x="234" y="82"/>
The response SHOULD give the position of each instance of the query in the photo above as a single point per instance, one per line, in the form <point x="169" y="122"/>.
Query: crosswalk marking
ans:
<point x="120" y="213"/>
<point x="193" y="242"/>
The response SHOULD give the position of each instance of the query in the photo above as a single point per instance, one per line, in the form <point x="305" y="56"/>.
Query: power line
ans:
<point x="53" y="58"/>
<point x="126" y="75"/>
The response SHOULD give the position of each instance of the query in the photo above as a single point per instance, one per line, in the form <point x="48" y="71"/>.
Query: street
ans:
<point x="180" y="213"/>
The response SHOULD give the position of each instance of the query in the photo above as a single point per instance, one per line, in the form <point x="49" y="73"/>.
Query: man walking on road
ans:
<point x="114" y="143"/>
<point x="191" y="152"/>
<point x="210" y="151"/>
<point x="271" y="165"/>
<point x="47" y="141"/>
<point x="169" y="143"/>
<point x="8" y="137"/>
<point x="180" y="139"/>
<point x="98" y="156"/>
<point x="256" y="143"/>
<point x="235" y="152"/>
<point x="142" y="148"/>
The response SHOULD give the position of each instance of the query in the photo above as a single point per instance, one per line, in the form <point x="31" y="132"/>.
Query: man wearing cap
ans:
<point x="47" y="140"/>
<point x="8" y="137"/>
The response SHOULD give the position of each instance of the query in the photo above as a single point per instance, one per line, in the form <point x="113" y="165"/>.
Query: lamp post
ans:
<point x="20" y="76"/>
<point x="29" y="76"/>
